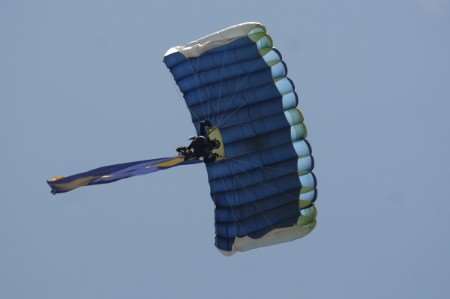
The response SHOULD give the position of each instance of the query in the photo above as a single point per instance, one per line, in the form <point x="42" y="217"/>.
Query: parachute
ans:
<point x="261" y="178"/>
<point x="264" y="188"/>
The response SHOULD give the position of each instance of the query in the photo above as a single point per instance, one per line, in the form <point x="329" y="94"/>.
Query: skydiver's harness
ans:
<point x="201" y="146"/>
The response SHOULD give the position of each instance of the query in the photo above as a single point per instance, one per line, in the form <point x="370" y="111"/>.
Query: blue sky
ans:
<point x="83" y="85"/>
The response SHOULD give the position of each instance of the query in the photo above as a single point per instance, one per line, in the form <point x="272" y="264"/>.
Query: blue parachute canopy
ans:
<point x="262" y="184"/>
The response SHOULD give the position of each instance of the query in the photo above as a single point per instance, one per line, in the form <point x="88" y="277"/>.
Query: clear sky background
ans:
<point x="82" y="84"/>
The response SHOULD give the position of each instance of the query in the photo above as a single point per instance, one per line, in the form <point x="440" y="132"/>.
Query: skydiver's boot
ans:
<point x="215" y="143"/>
<point x="181" y="150"/>
<point x="185" y="152"/>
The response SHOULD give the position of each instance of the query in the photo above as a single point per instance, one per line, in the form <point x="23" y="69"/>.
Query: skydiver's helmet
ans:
<point x="215" y="143"/>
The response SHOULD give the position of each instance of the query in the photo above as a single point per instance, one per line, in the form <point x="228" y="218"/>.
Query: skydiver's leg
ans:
<point x="185" y="152"/>
<point x="215" y="143"/>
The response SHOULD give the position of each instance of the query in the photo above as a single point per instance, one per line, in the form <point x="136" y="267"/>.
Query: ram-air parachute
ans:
<point x="261" y="178"/>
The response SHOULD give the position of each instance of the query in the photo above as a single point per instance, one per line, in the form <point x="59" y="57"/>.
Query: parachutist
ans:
<point x="201" y="146"/>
